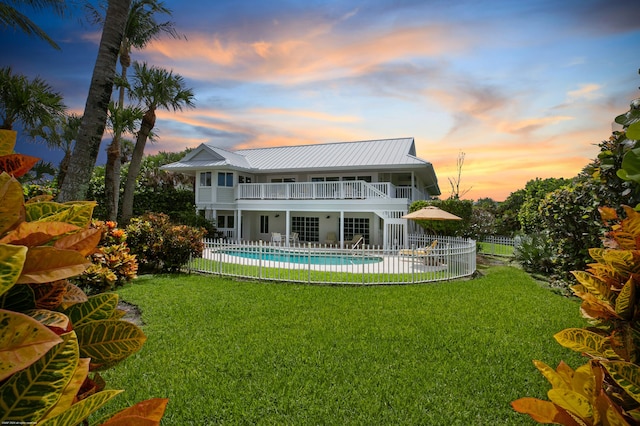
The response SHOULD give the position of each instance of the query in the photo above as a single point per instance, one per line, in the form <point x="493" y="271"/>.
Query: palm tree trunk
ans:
<point x="94" y="119"/>
<point x="148" y="122"/>
<point x="112" y="168"/>
<point x="112" y="179"/>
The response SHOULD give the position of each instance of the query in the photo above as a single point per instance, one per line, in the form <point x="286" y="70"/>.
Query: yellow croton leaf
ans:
<point x="573" y="402"/>
<point x="33" y="234"/>
<point x="581" y="340"/>
<point x="556" y="380"/>
<point x="7" y="141"/>
<point x="46" y="264"/>
<point x="626" y="375"/>
<point x="84" y="241"/>
<point x="594" y="285"/>
<point x="12" y="260"/>
<point x="11" y="203"/>
<point x="23" y="340"/>
<point x="543" y="411"/>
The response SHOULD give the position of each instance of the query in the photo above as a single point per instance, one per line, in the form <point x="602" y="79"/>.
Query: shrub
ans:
<point x="604" y="391"/>
<point x="161" y="245"/>
<point x="535" y="253"/>
<point x="112" y="263"/>
<point x="570" y="216"/>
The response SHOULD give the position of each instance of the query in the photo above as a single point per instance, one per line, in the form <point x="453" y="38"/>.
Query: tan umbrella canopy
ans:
<point x="431" y="213"/>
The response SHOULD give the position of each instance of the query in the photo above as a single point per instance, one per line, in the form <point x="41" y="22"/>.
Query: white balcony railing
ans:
<point x="345" y="190"/>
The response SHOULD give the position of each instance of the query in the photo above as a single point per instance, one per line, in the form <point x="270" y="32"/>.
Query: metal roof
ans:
<point x="341" y="155"/>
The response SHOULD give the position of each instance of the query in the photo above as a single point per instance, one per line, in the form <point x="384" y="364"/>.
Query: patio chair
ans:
<point x="276" y="238"/>
<point x="293" y="238"/>
<point x="422" y="251"/>
<point x="355" y="241"/>
<point x="331" y="239"/>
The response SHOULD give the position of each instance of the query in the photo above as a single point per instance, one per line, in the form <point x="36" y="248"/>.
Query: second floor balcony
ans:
<point x="343" y="190"/>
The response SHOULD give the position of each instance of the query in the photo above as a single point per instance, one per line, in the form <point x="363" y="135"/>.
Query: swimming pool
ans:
<point x="304" y="258"/>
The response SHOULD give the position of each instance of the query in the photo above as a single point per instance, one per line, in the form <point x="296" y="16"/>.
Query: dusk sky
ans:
<point x="525" y="89"/>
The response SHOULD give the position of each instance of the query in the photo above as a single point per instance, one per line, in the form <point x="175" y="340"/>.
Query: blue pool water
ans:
<point x="304" y="258"/>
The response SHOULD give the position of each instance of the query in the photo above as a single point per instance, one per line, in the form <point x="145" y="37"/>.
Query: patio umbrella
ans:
<point x="431" y="213"/>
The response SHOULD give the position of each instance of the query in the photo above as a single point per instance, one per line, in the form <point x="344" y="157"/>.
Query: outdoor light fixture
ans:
<point x="328" y="217"/>
<point x="277" y="214"/>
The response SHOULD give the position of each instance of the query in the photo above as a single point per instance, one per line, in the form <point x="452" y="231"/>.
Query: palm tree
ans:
<point x="120" y="121"/>
<point x="62" y="135"/>
<point x="154" y="88"/>
<point x="141" y="28"/>
<point x="32" y="103"/>
<point x="94" y="119"/>
<point x="10" y="17"/>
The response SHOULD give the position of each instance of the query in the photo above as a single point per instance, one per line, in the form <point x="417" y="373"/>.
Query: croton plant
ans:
<point x="54" y="339"/>
<point x="605" y="390"/>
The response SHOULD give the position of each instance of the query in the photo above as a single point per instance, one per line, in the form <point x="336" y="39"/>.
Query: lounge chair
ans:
<point x="331" y="239"/>
<point x="355" y="241"/>
<point x="422" y="251"/>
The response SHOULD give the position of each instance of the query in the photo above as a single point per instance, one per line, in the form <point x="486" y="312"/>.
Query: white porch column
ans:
<point x="341" y="229"/>
<point x="238" y="229"/>
<point x="287" y="225"/>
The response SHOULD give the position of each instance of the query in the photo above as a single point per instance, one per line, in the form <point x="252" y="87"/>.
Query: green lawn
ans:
<point x="451" y="353"/>
<point x="495" y="249"/>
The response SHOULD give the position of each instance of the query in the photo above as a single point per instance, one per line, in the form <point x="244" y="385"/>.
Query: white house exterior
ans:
<point x="346" y="188"/>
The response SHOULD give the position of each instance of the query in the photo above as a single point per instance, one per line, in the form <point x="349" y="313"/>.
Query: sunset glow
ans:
<point x="524" y="89"/>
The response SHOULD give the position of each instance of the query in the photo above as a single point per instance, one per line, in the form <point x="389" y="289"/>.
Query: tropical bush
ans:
<point x="606" y="390"/>
<point x="161" y="245"/>
<point x="535" y="253"/>
<point x="571" y="220"/>
<point x="112" y="263"/>
<point x="54" y="339"/>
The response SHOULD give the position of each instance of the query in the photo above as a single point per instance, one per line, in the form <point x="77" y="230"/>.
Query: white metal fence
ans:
<point x="498" y="246"/>
<point x="448" y="259"/>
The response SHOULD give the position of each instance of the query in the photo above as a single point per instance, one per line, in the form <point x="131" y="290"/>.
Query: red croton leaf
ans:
<point x="17" y="164"/>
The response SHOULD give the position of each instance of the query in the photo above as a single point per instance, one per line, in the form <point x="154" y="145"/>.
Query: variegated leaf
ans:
<point x="76" y="213"/>
<point x="98" y="307"/>
<point x="17" y="165"/>
<point x="543" y="411"/>
<point x="556" y="380"/>
<point x="595" y="285"/>
<point x="81" y="410"/>
<point x="625" y="303"/>
<point x="84" y="242"/>
<point x="109" y="342"/>
<point x="584" y="382"/>
<point x="33" y="234"/>
<point x="27" y="395"/>
<point x="573" y="402"/>
<point x="49" y="295"/>
<point x="11" y="203"/>
<point x="626" y="375"/>
<point x="23" y="340"/>
<point x="12" y="260"/>
<point x="46" y="264"/>
<point x="147" y="412"/>
<point x="72" y="296"/>
<point x="7" y="141"/>
<point x="586" y="341"/>
<point x="50" y="318"/>
<point x="71" y="391"/>
<point x="19" y="298"/>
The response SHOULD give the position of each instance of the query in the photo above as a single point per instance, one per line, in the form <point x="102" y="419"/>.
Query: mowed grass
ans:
<point x="451" y="353"/>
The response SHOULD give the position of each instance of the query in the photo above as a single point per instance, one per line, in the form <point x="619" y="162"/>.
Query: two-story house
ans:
<point x="315" y="191"/>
